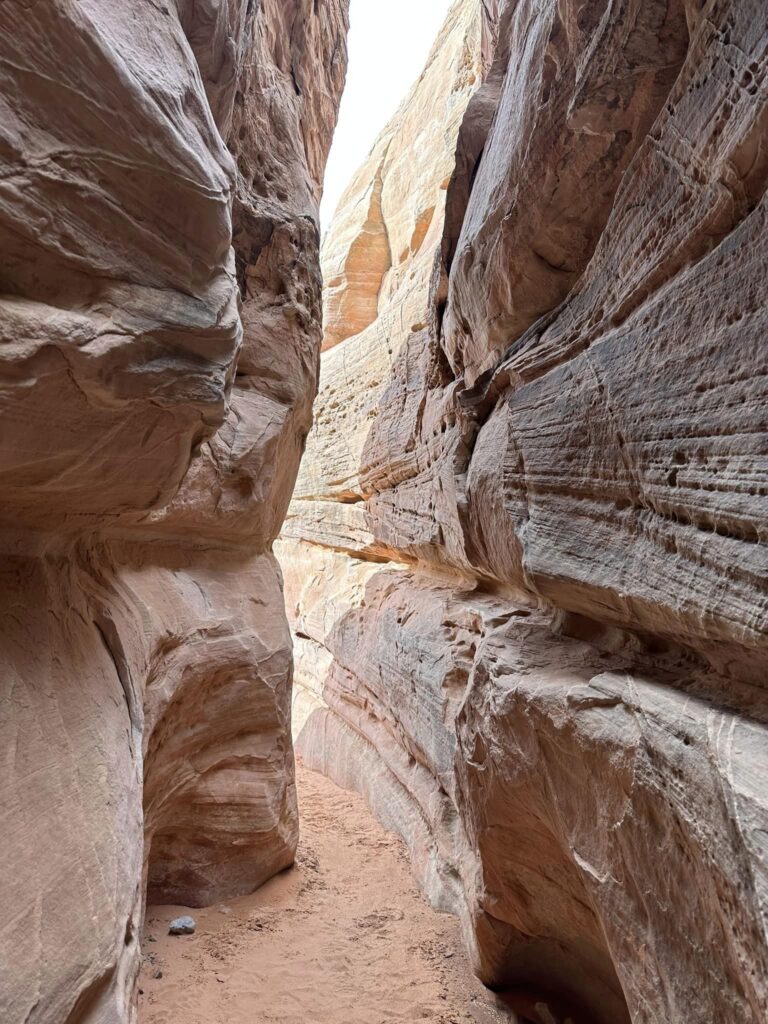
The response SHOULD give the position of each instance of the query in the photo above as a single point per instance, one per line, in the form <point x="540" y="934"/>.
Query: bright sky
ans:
<point x="389" y="41"/>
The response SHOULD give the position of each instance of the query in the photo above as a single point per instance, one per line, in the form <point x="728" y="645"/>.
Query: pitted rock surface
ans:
<point x="526" y="558"/>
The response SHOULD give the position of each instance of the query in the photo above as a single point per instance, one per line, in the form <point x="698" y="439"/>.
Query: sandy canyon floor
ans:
<point x="345" y="937"/>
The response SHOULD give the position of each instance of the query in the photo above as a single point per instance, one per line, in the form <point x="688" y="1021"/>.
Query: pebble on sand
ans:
<point x="182" y="926"/>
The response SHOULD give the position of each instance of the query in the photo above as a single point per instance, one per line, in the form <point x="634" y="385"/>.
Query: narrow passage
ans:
<point x="345" y="937"/>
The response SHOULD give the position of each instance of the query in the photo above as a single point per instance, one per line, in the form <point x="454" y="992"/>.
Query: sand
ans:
<point x="345" y="937"/>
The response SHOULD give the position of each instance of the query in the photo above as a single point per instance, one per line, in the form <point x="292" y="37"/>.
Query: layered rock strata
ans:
<point x="159" y="344"/>
<point x="526" y="559"/>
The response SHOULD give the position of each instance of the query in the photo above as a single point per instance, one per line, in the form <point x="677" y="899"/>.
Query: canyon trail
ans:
<point x="345" y="937"/>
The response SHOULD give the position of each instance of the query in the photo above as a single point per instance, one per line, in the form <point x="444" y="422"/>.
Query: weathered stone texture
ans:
<point x="159" y="344"/>
<point x="526" y="560"/>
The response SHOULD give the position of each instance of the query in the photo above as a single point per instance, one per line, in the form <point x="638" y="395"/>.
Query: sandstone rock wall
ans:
<point x="526" y="559"/>
<point x="159" y="341"/>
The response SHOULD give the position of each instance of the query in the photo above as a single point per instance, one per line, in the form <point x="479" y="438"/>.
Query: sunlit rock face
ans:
<point x="377" y="258"/>
<point x="526" y="561"/>
<point x="160" y="334"/>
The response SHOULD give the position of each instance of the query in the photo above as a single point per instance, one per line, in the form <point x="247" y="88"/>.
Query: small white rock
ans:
<point x="182" y="926"/>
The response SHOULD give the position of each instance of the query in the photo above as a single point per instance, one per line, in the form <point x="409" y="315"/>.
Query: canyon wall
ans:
<point x="526" y="558"/>
<point x="160" y="305"/>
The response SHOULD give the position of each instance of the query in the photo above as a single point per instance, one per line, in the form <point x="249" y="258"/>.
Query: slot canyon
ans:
<point x="456" y="517"/>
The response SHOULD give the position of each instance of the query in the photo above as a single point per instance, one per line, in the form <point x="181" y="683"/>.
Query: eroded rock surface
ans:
<point x="159" y="341"/>
<point x="526" y="561"/>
